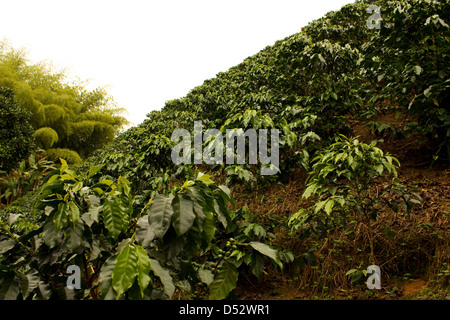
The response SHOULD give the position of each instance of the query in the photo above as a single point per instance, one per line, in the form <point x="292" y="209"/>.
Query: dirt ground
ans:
<point x="425" y="235"/>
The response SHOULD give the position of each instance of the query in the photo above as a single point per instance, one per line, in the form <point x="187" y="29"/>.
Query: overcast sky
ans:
<point x="148" y="52"/>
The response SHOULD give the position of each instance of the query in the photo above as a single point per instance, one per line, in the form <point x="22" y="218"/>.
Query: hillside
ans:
<point x="363" y="179"/>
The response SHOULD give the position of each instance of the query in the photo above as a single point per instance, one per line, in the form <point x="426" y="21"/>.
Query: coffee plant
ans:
<point x="346" y="181"/>
<point x="26" y="177"/>
<point x="161" y="250"/>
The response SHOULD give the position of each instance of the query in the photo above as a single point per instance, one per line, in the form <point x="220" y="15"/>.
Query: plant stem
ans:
<point x="367" y="218"/>
<point x="86" y="271"/>
<point x="15" y="238"/>
<point x="371" y="257"/>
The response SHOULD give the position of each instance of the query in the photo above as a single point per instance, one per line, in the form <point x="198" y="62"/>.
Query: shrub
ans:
<point x="347" y="181"/>
<point x="46" y="137"/>
<point x="72" y="157"/>
<point x="20" y="214"/>
<point x="26" y="177"/>
<point x="177" y="244"/>
<point x="16" y="132"/>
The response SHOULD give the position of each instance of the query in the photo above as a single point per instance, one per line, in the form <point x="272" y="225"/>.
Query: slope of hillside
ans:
<point x="339" y="76"/>
<point x="338" y="203"/>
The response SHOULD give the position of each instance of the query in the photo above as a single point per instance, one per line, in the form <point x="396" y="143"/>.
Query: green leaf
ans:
<point x="74" y="213"/>
<point x="50" y="235"/>
<point x="105" y="278"/>
<point x="209" y="227"/>
<point x="93" y="212"/>
<point x="98" y="191"/>
<point x="355" y="274"/>
<point x="9" y="288"/>
<point x="160" y="215"/>
<point x="143" y="268"/>
<point x="144" y="234"/>
<point x="206" y="276"/>
<point x="206" y="179"/>
<point x="183" y="214"/>
<point x="321" y="58"/>
<point x="338" y="157"/>
<point x="238" y="254"/>
<point x="106" y="182"/>
<point x="418" y="70"/>
<point x="224" y="282"/>
<point x="329" y="206"/>
<point x="334" y="95"/>
<point x="379" y="168"/>
<point x="94" y="170"/>
<point x="114" y="215"/>
<point x="164" y="276"/>
<point x="226" y="190"/>
<point x="74" y="236"/>
<point x="310" y="190"/>
<point x="64" y="166"/>
<point x="28" y="282"/>
<point x="77" y="186"/>
<point x="7" y="245"/>
<point x="351" y="271"/>
<point x="291" y="140"/>
<point x="257" y="263"/>
<point x="350" y="160"/>
<point x="125" y="270"/>
<point x="248" y="114"/>
<point x="67" y="177"/>
<point x="267" y="251"/>
<point x="125" y="184"/>
<point x="319" y="205"/>
<point x="44" y="291"/>
<point x="60" y="217"/>
<point x="220" y="208"/>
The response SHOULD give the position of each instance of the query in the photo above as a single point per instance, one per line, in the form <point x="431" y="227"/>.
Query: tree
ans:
<point x="74" y="117"/>
<point x="16" y="132"/>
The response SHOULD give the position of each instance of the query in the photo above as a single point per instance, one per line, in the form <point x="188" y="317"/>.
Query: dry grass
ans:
<point x="415" y="246"/>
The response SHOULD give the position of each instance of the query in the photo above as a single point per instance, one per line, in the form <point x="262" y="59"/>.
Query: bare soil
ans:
<point x="412" y="252"/>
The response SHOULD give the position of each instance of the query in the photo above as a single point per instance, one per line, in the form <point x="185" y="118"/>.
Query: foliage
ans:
<point x="314" y="80"/>
<point x="142" y="154"/>
<point x="27" y="177"/>
<point x="383" y="129"/>
<point x="20" y="215"/>
<point x="356" y="274"/>
<point x="45" y="137"/>
<point x="150" y="253"/>
<point x="72" y="157"/>
<point x="238" y="125"/>
<point x="237" y="174"/>
<point x="16" y="133"/>
<point x="414" y="70"/>
<point x="83" y="120"/>
<point x="137" y="232"/>
<point x="346" y="181"/>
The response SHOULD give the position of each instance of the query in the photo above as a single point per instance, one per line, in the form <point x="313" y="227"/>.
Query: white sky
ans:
<point x="148" y="52"/>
